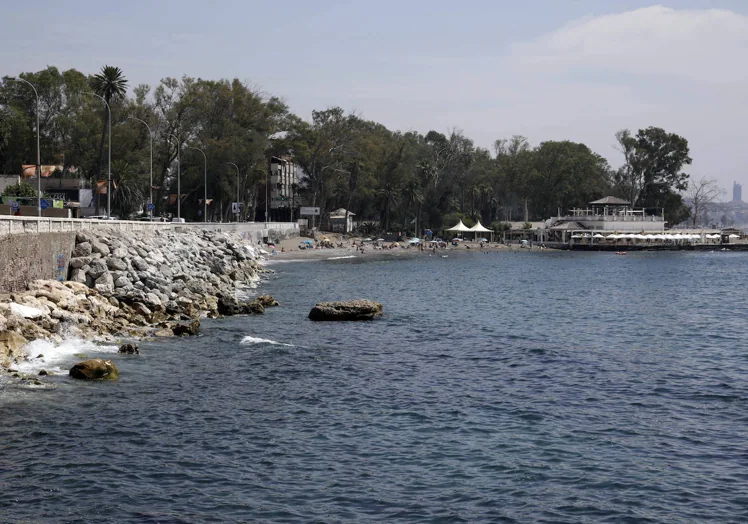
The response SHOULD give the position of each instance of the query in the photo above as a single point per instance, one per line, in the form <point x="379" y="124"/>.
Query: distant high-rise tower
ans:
<point x="737" y="192"/>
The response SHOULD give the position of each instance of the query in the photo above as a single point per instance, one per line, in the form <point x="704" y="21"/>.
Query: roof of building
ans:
<point x="340" y="213"/>
<point x="567" y="226"/>
<point x="611" y="200"/>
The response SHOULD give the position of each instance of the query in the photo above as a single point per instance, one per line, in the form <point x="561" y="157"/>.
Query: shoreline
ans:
<point x="121" y="289"/>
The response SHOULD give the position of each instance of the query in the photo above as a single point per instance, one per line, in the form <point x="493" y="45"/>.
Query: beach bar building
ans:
<point x="607" y="215"/>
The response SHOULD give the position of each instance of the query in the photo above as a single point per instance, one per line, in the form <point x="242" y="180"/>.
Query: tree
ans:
<point x="702" y="194"/>
<point x="20" y="190"/>
<point x="652" y="175"/>
<point x="110" y="84"/>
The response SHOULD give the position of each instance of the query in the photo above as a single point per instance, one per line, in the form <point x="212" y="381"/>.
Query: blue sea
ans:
<point x="498" y="387"/>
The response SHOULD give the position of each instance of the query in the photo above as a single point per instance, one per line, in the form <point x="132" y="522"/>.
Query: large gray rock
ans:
<point x="122" y="281"/>
<point x="78" y="275"/>
<point x="79" y="262"/>
<point x="99" y="247"/>
<point x="83" y="249"/>
<point x="140" y="264"/>
<point x="97" y="268"/>
<point x="350" y="310"/>
<point x="104" y="284"/>
<point x="116" y="264"/>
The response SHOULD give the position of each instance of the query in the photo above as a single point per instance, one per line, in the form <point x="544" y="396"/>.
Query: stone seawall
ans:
<point x="24" y="258"/>
<point x="123" y="285"/>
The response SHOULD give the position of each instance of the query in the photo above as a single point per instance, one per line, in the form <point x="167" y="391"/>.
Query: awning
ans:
<point x="478" y="228"/>
<point x="459" y="227"/>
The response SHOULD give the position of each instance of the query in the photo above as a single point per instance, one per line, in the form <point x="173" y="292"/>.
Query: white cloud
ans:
<point x="701" y="45"/>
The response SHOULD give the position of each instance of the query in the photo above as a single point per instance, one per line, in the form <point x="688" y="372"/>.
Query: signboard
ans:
<point x="236" y="207"/>
<point x="151" y="207"/>
<point x="14" y="206"/>
<point x="44" y="203"/>
<point x="309" y="211"/>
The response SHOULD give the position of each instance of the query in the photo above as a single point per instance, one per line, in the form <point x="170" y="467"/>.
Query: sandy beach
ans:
<point x="288" y="250"/>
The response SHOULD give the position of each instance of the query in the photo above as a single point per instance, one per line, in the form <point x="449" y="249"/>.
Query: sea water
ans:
<point x="499" y="387"/>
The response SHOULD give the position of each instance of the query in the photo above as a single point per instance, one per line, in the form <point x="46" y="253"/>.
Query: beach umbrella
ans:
<point x="597" y="235"/>
<point x="733" y="236"/>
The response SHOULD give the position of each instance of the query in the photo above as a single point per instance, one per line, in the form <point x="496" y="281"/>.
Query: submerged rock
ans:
<point x="95" y="369"/>
<point x="350" y="310"/>
<point x="129" y="349"/>
<point x="267" y="301"/>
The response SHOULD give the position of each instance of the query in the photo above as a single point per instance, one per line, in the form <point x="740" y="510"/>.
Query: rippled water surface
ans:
<point x="532" y="387"/>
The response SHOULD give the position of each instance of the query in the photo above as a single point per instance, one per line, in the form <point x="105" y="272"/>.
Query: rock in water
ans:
<point x="129" y="349"/>
<point x="267" y="301"/>
<point x="10" y="346"/>
<point x="95" y="369"/>
<point x="181" y="330"/>
<point x="350" y="310"/>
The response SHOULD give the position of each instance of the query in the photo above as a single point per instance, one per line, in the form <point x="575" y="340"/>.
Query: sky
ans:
<point x="546" y="69"/>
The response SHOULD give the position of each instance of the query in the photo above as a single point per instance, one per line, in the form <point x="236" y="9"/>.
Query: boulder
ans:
<point x="104" y="284"/>
<point x="97" y="268"/>
<point x="116" y="264"/>
<point x="267" y="301"/>
<point x="181" y="330"/>
<point x="10" y="346"/>
<point x="129" y="349"/>
<point x="78" y="275"/>
<point x="351" y="310"/>
<point x="83" y="249"/>
<point x="99" y="247"/>
<point x="95" y="369"/>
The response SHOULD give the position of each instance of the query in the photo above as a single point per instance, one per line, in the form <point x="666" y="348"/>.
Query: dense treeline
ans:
<point x="399" y="180"/>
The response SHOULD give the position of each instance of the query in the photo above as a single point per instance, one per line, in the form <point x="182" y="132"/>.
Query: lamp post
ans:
<point x="38" y="151"/>
<point x="109" y="152"/>
<point x="179" y="178"/>
<point x="205" y="175"/>
<point x="150" y="134"/>
<point x="237" y="189"/>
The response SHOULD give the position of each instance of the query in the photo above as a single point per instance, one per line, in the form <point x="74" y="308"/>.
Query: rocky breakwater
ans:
<point x="133" y="285"/>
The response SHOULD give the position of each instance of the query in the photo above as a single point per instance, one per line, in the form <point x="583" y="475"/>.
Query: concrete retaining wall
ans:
<point x="29" y="257"/>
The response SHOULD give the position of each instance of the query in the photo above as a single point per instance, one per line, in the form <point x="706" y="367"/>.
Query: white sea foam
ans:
<point x="250" y="341"/>
<point x="58" y="358"/>
<point x="341" y="258"/>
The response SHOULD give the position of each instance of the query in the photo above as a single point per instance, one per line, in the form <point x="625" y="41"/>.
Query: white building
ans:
<point x="283" y="183"/>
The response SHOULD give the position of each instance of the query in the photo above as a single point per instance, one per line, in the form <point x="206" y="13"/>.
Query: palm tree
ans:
<point x="388" y="195"/>
<point x="413" y="194"/>
<point x="110" y="84"/>
<point x="129" y="194"/>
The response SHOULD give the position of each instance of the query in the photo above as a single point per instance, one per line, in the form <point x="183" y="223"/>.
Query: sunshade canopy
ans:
<point x="459" y="227"/>
<point x="478" y="228"/>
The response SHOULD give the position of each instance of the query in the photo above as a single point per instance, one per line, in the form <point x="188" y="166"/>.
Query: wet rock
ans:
<point x="191" y="329"/>
<point x="10" y="346"/>
<point x="95" y="369"/>
<point x="43" y="373"/>
<point x="350" y="310"/>
<point x="129" y="349"/>
<point x="267" y="301"/>
<point x="163" y="332"/>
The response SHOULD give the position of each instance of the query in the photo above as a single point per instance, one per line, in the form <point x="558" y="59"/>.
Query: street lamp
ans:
<point x="38" y="152"/>
<point x="205" y="175"/>
<point x="179" y="177"/>
<point x="109" y="152"/>
<point x="150" y="134"/>
<point x="237" y="189"/>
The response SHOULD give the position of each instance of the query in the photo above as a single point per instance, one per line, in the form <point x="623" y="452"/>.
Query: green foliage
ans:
<point x="498" y="227"/>
<point x="395" y="180"/>
<point x="20" y="190"/>
<point x="526" y="225"/>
